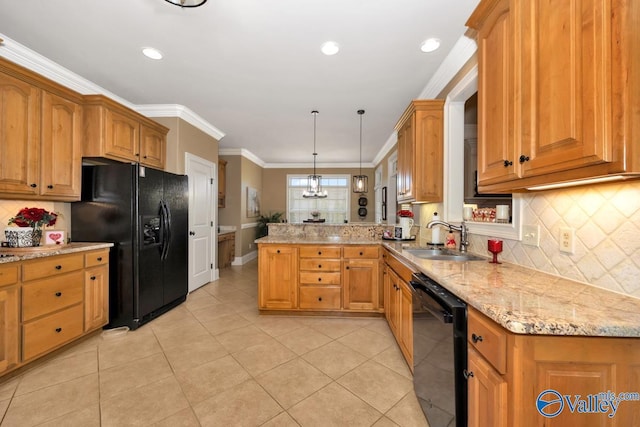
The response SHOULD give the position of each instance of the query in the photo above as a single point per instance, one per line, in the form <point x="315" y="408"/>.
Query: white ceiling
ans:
<point x="253" y="68"/>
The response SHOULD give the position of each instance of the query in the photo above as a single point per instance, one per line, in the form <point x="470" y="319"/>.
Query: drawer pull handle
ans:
<point x="476" y="338"/>
<point x="58" y="294"/>
<point x="467" y="374"/>
<point x="58" y="267"/>
<point x="93" y="277"/>
<point x="58" y="330"/>
<point x="99" y="258"/>
<point x="319" y="298"/>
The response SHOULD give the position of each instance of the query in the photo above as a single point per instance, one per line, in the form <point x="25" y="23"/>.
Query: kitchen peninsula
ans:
<point x="527" y="331"/>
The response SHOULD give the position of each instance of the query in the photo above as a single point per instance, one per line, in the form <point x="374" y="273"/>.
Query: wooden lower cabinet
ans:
<point x="226" y="249"/>
<point x="573" y="366"/>
<point x="277" y="277"/>
<point x="324" y="278"/>
<point x="48" y="302"/>
<point x="398" y="304"/>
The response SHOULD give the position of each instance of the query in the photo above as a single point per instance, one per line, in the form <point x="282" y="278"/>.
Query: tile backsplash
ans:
<point x="9" y="208"/>
<point x="606" y="219"/>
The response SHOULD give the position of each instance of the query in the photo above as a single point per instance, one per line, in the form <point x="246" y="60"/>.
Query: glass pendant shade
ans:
<point x="187" y="3"/>
<point x="314" y="181"/>
<point x="360" y="182"/>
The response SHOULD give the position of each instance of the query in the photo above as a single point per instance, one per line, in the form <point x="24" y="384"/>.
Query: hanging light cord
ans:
<point x="315" y="114"/>
<point x="361" y="112"/>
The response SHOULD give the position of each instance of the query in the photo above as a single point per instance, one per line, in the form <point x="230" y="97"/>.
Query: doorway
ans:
<point x="202" y="217"/>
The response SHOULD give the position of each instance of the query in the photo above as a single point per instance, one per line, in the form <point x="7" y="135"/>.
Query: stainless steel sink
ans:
<point x="442" y="254"/>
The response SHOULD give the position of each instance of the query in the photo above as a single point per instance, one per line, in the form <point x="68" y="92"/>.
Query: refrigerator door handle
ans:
<point x="166" y="217"/>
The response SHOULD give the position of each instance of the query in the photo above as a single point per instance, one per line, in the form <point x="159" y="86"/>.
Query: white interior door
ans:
<point x="202" y="250"/>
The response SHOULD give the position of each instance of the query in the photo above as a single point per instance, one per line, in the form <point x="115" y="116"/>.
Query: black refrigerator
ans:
<point x="144" y="212"/>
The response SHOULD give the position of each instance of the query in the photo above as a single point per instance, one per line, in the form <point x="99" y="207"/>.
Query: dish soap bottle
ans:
<point x="435" y="230"/>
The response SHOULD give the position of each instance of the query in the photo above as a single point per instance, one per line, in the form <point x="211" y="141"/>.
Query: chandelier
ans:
<point x="187" y="3"/>
<point x="360" y="182"/>
<point x="314" y="185"/>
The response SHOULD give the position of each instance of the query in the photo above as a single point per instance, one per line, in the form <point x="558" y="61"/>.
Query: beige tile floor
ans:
<point x="214" y="361"/>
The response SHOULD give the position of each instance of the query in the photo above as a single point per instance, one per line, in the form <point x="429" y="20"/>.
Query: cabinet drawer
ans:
<point x="321" y="264"/>
<point x="319" y="252"/>
<point x="49" y="332"/>
<point x="320" y="297"/>
<point x="489" y="339"/>
<point x="48" y="295"/>
<point x="361" y="251"/>
<point x="319" y="278"/>
<point x="96" y="258"/>
<point x="8" y="274"/>
<point x="51" y="266"/>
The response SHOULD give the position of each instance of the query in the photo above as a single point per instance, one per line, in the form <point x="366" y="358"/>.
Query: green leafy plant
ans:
<point x="262" y="229"/>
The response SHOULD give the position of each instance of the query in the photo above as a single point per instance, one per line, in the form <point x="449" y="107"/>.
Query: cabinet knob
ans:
<point x="58" y="294"/>
<point x="476" y="338"/>
<point x="507" y="163"/>
<point x="467" y="374"/>
<point x="319" y="298"/>
<point x="319" y="265"/>
<point x="34" y="185"/>
<point x="278" y="251"/>
<point x="50" y="187"/>
<point x="58" y="330"/>
<point x="523" y="158"/>
<point x="99" y="258"/>
<point x="361" y="253"/>
<point x="93" y="277"/>
<point x="137" y="154"/>
<point x="319" y="252"/>
<point x="58" y="267"/>
<point x="319" y="279"/>
<point x="144" y="157"/>
<point x="347" y="267"/>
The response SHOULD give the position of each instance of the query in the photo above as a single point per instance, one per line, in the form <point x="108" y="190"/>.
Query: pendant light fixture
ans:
<point x="314" y="185"/>
<point x="187" y="3"/>
<point x="360" y="182"/>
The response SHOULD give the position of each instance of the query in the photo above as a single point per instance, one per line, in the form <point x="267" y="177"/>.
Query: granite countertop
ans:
<point x="522" y="300"/>
<point x="46" y="251"/>
<point x="526" y="301"/>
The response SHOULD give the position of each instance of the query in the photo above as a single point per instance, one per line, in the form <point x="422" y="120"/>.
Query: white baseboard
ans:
<point x="245" y="258"/>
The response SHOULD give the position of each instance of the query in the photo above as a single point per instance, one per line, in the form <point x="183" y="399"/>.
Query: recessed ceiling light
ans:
<point x="152" y="53"/>
<point x="330" y="48"/>
<point x="429" y="45"/>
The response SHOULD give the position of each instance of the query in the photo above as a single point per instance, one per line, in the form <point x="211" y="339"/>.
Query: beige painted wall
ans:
<point x="183" y="138"/>
<point x="274" y="194"/>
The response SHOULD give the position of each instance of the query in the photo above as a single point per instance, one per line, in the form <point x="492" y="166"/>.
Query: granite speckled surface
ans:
<point x="46" y="252"/>
<point x="522" y="300"/>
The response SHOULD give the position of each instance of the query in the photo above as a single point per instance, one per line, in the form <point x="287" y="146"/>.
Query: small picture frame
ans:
<point x="54" y="237"/>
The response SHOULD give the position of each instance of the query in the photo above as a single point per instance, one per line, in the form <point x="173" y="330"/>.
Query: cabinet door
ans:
<point x="405" y="319"/>
<point x="405" y="161"/>
<point x="566" y="84"/>
<point x="497" y="149"/>
<point x="152" y="147"/>
<point x="391" y="304"/>
<point x="360" y="284"/>
<point x="277" y="277"/>
<point x="96" y="297"/>
<point x="487" y="394"/>
<point x="61" y="147"/>
<point x="20" y="137"/>
<point x="9" y="327"/>
<point x="122" y="136"/>
<point x="428" y="155"/>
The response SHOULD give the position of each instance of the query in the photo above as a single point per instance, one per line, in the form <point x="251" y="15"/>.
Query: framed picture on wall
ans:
<point x="253" y="202"/>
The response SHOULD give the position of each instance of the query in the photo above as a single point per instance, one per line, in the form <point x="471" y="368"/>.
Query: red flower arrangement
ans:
<point x="34" y="217"/>
<point x="405" y="213"/>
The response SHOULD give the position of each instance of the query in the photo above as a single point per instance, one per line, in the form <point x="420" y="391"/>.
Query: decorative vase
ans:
<point x="22" y="237"/>
<point x="406" y="224"/>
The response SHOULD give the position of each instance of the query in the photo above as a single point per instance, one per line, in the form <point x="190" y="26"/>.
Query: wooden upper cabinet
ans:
<point x="61" y="163"/>
<point x="421" y="152"/>
<point x="19" y="136"/>
<point x="558" y="91"/>
<point x="40" y="137"/>
<point x="113" y="131"/>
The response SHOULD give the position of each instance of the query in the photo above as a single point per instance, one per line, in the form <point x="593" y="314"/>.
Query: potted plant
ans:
<point x="262" y="229"/>
<point x="29" y="223"/>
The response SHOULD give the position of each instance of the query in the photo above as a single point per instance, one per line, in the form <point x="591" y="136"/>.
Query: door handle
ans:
<point x="192" y="233"/>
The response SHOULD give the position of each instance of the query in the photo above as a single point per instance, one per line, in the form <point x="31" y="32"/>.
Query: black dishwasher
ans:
<point x="439" y="353"/>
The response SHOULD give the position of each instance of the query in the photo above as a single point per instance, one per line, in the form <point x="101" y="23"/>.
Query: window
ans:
<point x="334" y="209"/>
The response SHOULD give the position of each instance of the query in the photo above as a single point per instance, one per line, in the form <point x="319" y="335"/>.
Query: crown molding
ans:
<point x="242" y="152"/>
<point x="318" y="165"/>
<point x="386" y="148"/>
<point x="22" y="55"/>
<point x="185" y="113"/>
